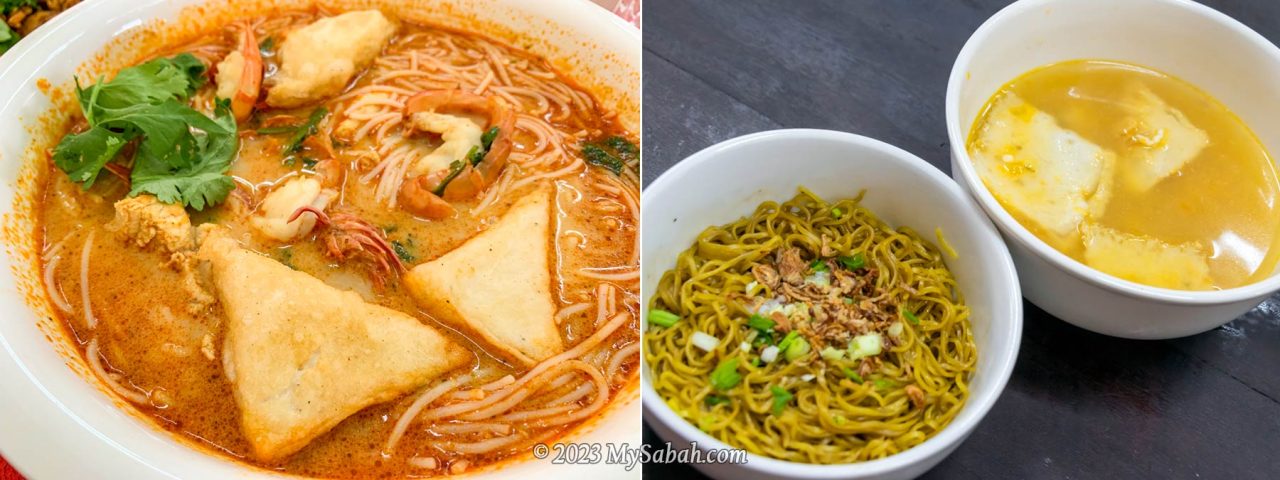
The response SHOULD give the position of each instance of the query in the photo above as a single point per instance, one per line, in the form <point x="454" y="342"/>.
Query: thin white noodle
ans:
<point x="571" y="310"/>
<point x="411" y="413"/>
<point x="89" y="320"/>
<point x="586" y="345"/>
<point x="55" y="292"/>
<point x="620" y="357"/>
<point x="426" y="463"/>
<point x="95" y="363"/>
<point x="474" y="427"/>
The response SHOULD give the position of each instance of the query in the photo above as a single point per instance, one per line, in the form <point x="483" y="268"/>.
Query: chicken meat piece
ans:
<point x="146" y="222"/>
<point x="319" y="60"/>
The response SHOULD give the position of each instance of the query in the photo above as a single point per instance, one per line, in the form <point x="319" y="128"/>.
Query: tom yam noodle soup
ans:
<point x="1133" y="172"/>
<point x="811" y="331"/>
<point x="341" y="244"/>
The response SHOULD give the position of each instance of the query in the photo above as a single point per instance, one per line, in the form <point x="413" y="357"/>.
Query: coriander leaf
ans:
<point x="267" y="46"/>
<point x="305" y="130"/>
<point x="455" y="168"/>
<point x="402" y="251"/>
<point x="165" y="126"/>
<point x="625" y="149"/>
<point x="8" y="37"/>
<point x="194" y="174"/>
<point x="82" y="155"/>
<point x="8" y="6"/>
<point x="152" y="82"/>
<point x="599" y="157"/>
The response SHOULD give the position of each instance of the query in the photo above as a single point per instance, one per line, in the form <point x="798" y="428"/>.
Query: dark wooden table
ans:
<point x="1080" y="405"/>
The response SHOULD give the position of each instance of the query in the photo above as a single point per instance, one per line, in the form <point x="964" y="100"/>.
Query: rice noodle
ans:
<point x="89" y="320"/>
<point x="411" y="413"/>
<point x="620" y="357"/>
<point x="95" y="363"/>
<point x="472" y="427"/>
<point x="571" y="310"/>
<point x="55" y="291"/>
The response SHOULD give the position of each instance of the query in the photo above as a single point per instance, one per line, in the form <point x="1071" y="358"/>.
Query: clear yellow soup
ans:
<point x="1133" y="172"/>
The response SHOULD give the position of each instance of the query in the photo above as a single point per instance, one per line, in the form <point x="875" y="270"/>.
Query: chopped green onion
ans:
<point x="798" y="348"/>
<point x="883" y="384"/>
<point x="837" y="213"/>
<point x="760" y="323"/>
<point x="787" y="340"/>
<point x="662" y="318"/>
<point x="765" y="338"/>
<point x="865" y="346"/>
<point x="704" y="341"/>
<point x="780" y="399"/>
<point x="487" y="138"/>
<point x="895" y="330"/>
<point x="848" y="372"/>
<point x="857" y="261"/>
<point x="838" y="419"/>
<point x="848" y="301"/>
<point x="726" y="375"/>
<point x="911" y="317"/>
<point x="831" y="353"/>
<point x="713" y="400"/>
<point x="818" y="265"/>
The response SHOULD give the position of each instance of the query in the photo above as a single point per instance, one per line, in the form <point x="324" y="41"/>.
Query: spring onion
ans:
<point x="883" y="384"/>
<point x="769" y="354"/>
<point x="662" y="318"/>
<point x="713" y="400"/>
<point x="848" y="372"/>
<point x="831" y="353"/>
<point x="911" y="317"/>
<point x="856" y="262"/>
<point x="798" y="348"/>
<point x="704" y="341"/>
<point x="818" y="265"/>
<point x="836" y="212"/>
<point x="726" y="375"/>
<point x="744" y="346"/>
<point x="895" y="330"/>
<point x="780" y="399"/>
<point x="865" y="346"/>
<point x="760" y="323"/>
<point x="787" y="340"/>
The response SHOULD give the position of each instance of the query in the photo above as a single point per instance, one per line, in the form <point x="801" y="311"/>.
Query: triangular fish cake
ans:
<point x="497" y="285"/>
<point x="302" y="355"/>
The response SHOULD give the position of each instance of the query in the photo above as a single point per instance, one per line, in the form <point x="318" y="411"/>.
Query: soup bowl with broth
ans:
<point x="1136" y="105"/>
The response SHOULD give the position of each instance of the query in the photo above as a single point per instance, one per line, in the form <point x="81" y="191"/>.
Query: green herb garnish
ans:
<point x="726" y="375"/>
<point x="612" y="153"/>
<point x="856" y="262"/>
<point x="267" y="46"/>
<point x="477" y="153"/>
<point x="883" y="384"/>
<point x="848" y="372"/>
<point x="788" y="340"/>
<point x="911" y="317"/>
<point x="662" y="318"/>
<point x="182" y="155"/>
<point x="760" y="323"/>
<point x="455" y="168"/>
<point x="713" y="400"/>
<point x="836" y="212"/>
<point x="8" y="37"/>
<point x="402" y="251"/>
<point x="780" y="399"/>
<point x="818" y="266"/>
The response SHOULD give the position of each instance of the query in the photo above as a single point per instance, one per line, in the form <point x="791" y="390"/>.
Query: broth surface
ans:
<point x="1224" y="199"/>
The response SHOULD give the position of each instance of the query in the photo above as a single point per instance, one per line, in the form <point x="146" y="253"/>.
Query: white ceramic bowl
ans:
<point x="56" y="423"/>
<point x="1180" y="37"/>
<point x="728" y="180"/>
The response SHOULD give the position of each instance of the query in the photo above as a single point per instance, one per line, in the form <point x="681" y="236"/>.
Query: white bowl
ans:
<point x="55" y="420"/>
<point x="728" y="180"/>
<point x="1183" y="38"/>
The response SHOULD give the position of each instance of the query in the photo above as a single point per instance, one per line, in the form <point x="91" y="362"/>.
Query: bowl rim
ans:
<point x="28" y="393"/>
<point x="1016" y="232"/>
<point x="656" y="408"/>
